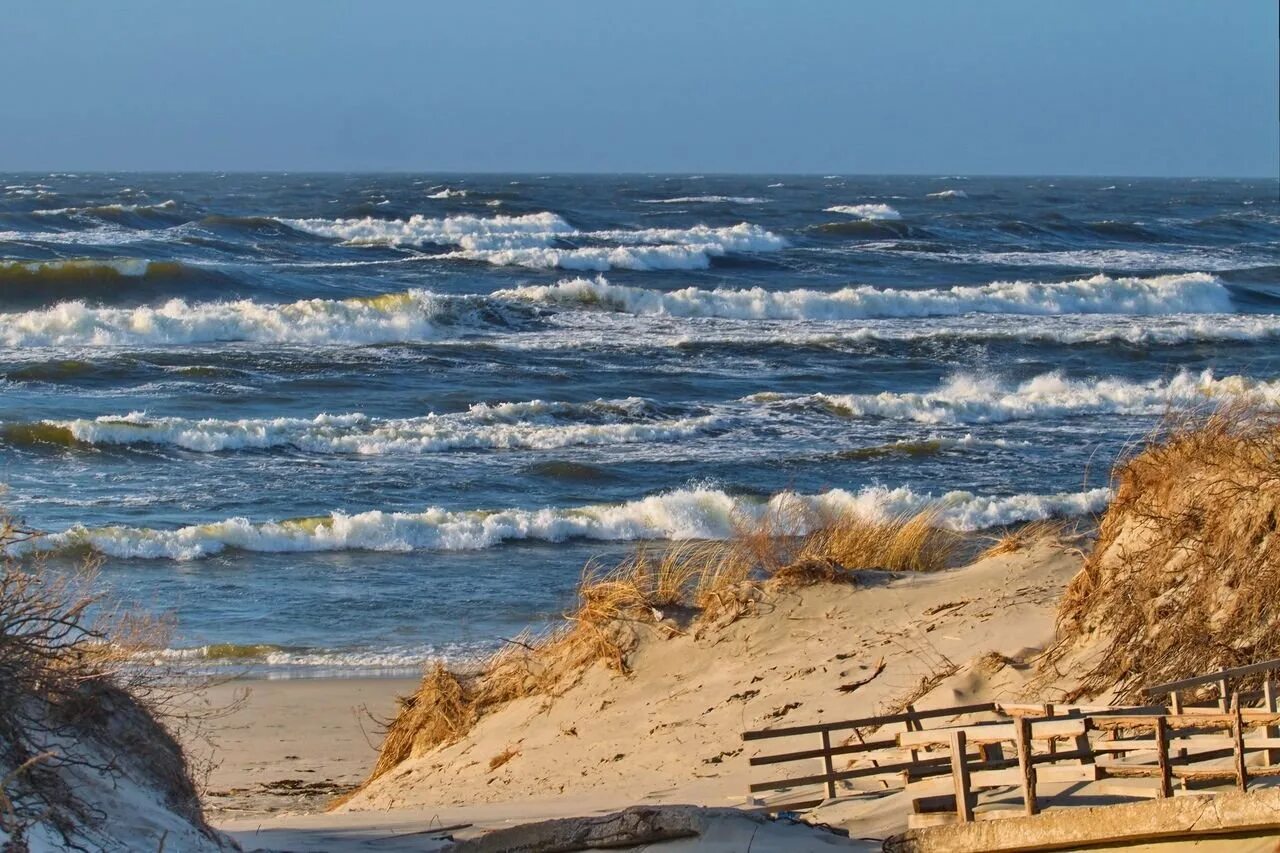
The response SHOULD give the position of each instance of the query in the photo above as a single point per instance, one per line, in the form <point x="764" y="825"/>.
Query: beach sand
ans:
<point x="288" y="745"/>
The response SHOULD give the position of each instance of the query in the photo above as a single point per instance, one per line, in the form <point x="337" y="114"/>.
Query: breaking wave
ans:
<point x="948" y="194"/>
<point x="84" y="269"/>
<point x="408" y="316"/>
<point x="866" y="211"/>
<point x="1172" y="294"/>
<point x="483" y="428"/>
<point x="545" y="241"/>
<point x="690" y="513"/>
<point x="108" y="211"/>
<point x="971" y="399"/>
<point x="706" y="199"/>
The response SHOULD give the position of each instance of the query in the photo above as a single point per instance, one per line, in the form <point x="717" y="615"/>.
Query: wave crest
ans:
<point x="866" y="211"/>
<point x="1191" y="293"/>
<point x="542" y="426"/>
<point x="539" y="241"/>
<point x="691" y="513"/>
<point x="408" y="316"/>
<point x="971" y="399"/>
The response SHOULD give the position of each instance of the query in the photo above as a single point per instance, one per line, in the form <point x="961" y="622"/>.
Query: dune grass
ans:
<point x="1183" y="578"/>
<point x="666" y="589"/>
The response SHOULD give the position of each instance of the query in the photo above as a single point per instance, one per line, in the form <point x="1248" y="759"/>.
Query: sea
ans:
<point x="342" y="424"/>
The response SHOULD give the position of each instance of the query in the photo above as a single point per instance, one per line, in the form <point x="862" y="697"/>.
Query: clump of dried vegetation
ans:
<point x="671" y="590"/>
<point x="1183" y="578"/>
<point x="1023" y="536"/>
<point x="70" y="712"/>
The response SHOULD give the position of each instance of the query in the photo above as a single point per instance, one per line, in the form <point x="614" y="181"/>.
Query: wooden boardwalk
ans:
<point x="942" y="758"/>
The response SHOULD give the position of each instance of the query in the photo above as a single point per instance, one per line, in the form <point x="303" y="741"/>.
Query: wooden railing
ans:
<point x="1222" y="679"/>
<point x="911" y="719"/>
<point x="1025" y="746"/>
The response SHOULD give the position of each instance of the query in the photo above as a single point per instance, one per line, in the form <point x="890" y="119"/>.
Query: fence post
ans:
<point x="1237" y="733"/>
<point x="1162" y="757"/>
<point x="960" y="776"/>
<point x="1269" y="701"/>
<point x="913" y="725"/>
<point x="1028" y="769"/>
<point x="830" y="767"/>
<point x="1175" y="702"/>
<point x="1222" y="692"/>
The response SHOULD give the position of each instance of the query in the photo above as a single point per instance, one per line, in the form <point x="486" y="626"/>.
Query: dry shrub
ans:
<point x="70" y="705"/>
<point x="1014" y="539"/>
<point x="1183" y="578"/>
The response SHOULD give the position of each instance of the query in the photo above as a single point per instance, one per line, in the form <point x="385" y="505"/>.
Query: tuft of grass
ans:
<point x="1014" y="539"/>
<point x="439" y="712"/>
<point x="904" y="543"/>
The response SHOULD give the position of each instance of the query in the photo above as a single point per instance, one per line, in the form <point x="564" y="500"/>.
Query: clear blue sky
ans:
<point x="1129" y="87"/>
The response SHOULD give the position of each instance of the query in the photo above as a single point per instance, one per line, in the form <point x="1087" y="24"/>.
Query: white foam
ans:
<point x="240" y="657"/>
<point x="535" y="240"/>
<point x="707" y="199"/>
<point x="167" y="204"/>
<point x="972" y="399"/>
<point x="690" y="513"/>
<point x="508" y="426"/>
<point x="949" y="194"/>
<point x="1191" y="293"/>
<point x="866" y="211"/>
<point x="469" y="232"/>
<point x="1184" y="258"/>
<point x="405" y="316"/>
<point x="447" y="192"/>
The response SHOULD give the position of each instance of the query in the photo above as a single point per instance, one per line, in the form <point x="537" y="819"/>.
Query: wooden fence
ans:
<point x="1022" y="747"/>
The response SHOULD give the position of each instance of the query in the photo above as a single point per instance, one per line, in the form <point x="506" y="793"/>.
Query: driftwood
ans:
<point x="629" y="828"/>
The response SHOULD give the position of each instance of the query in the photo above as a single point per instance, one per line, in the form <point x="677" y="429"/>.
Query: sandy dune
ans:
<point x="669" y="733"/>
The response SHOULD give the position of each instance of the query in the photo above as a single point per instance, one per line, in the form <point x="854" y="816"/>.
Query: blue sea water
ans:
<point x="342" y="423"/>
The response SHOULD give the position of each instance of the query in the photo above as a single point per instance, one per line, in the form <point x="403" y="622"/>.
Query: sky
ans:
<point x="1100" y="87"/>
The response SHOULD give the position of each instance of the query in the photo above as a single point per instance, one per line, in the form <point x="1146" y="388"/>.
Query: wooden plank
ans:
<point x="856" y="773"/>
<point x="788" y="731"/>
<point x="960" y="776"/>
<point x="1027" y="769"/>
<point x="1162" y="758"/>
<point x="848" y="749"/>
<point x="826" y="762"/>
<point x="915" y="769"/>
<point x="1199" y="680"/>
<point x="985" y="733"/>
<point x="1188" y="719"/>
<point x="1049" y="773"/>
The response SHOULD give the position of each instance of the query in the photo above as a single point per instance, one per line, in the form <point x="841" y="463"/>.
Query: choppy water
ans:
<point x="342" y="422"/>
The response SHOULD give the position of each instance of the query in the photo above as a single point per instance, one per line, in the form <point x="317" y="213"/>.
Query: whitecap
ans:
<point x="682" y="514"/>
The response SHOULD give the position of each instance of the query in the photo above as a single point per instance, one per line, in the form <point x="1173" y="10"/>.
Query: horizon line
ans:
<point x="686" y="173"/>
